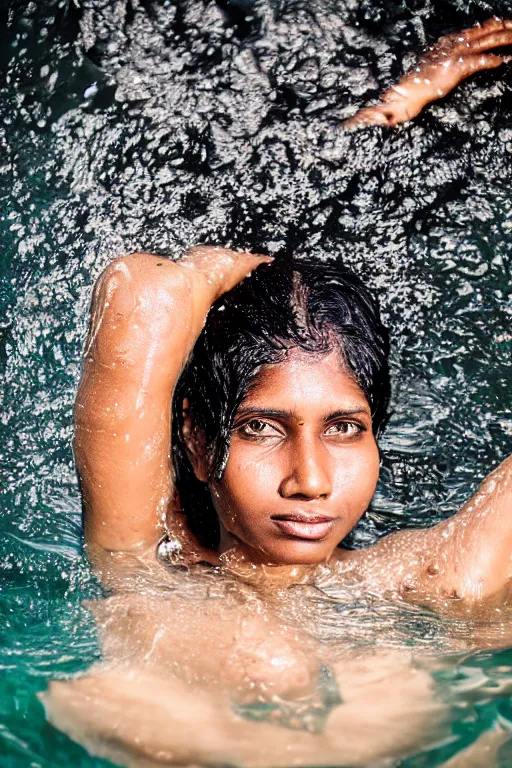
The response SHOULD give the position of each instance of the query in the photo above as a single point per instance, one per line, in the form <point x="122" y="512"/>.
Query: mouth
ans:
<point x="308" y="527"/>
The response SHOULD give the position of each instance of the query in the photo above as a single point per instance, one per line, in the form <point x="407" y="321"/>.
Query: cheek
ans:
<point x="247" y="486"/>
<point x="356" y="477"/>
<point x="252" y="471"/>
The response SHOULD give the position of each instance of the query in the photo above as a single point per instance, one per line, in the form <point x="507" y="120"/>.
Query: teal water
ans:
<point x="156" y="125"/>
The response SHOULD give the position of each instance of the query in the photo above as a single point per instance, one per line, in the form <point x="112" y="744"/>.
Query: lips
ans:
<point x="301" y="526"/>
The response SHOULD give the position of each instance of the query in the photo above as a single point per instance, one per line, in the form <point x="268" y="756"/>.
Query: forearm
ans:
<point x="132" y="716"/>
<point x="445" y="65"/>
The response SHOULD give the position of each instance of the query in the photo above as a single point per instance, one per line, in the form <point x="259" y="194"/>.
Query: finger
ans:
<point x="481" y="30"/>
<point x="241" y="265"/>
<point x="239" y="260"/>
<point x="222" y="267"/>
<point x="475" y="64"/>
<point x="486" y="43"/>
<point x="460" y="42"/>
<point x="211" y="257"/>
<point x="370" y="116"/>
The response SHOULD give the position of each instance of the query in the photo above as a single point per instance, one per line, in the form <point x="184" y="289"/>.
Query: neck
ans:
<point x="253" y="566"/>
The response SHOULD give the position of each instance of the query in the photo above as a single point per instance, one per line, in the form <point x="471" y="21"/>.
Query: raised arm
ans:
<point x="439" y="71"/>
<point x="146" y="315"/>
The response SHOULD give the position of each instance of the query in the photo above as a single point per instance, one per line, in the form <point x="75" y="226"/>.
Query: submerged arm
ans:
<point x="146" y="315"/>
<point x="439" y="71"/>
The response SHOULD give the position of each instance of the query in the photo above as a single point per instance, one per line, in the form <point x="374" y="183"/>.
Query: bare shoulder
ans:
<point x="393" y="566"/>
<point x="460" y="564"/>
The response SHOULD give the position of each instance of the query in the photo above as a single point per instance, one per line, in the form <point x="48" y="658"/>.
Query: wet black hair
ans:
<point x="313" y="305"/>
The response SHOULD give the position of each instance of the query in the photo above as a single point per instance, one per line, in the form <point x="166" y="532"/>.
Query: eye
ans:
<point x="344" y="429"/>
<point x="257" y="428"/>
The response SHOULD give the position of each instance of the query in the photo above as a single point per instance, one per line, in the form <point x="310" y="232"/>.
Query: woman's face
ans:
<point x="303" y="463"/>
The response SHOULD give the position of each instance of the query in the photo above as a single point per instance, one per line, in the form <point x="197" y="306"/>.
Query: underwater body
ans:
<point x="154" y="126"/>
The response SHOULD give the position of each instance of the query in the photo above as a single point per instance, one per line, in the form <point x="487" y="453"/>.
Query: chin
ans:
<point x="301" y="553"/>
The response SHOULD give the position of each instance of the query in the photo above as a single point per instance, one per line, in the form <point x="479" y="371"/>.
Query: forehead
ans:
<point x="306" y="379"/>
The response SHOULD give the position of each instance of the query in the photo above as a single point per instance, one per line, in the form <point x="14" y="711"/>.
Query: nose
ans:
<point x="308" y="475"/>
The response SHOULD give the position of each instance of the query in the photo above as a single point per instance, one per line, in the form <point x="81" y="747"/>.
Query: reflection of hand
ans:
<point x="444" y="66"/>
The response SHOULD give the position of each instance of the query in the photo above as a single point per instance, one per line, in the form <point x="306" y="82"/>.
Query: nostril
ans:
<point x="307" y="479"/>
<point x="307" y="496"/>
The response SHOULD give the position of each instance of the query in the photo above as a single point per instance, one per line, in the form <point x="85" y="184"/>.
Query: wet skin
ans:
<point x="446" y="64"/>
<point x="303" y="463"/>
<point x="300" y="459"/>
<point x="309" y="457"/>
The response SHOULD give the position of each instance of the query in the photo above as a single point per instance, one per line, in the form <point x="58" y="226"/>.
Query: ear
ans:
<point x="195" y="442"/>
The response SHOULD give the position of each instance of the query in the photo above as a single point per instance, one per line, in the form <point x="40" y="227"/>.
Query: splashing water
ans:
<point x="131" y="125"/>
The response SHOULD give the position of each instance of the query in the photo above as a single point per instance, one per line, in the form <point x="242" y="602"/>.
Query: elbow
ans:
<point x="113" y="296"/>
<point x="144" y="290"/>
<point x="123" y="316"/>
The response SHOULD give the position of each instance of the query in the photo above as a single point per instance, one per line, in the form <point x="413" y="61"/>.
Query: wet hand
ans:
<point x="221" y="268"/>
<point x="448" y="62"/>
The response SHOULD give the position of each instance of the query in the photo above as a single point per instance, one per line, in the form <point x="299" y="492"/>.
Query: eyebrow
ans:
<point x="291" y="415"/>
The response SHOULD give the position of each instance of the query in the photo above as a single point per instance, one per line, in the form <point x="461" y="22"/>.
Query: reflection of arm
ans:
<point x="141" y="720"/>
<point x="446" y="64"/>
<point x="135" y="719"/>
<point x="146" y="315"/>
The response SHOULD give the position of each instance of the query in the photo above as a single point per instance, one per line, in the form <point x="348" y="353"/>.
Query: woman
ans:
<point x="147" y="315"/>
<point x="275" y="419"/>
<point x="277" y="403"/>
<point x="279" y="388"/>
